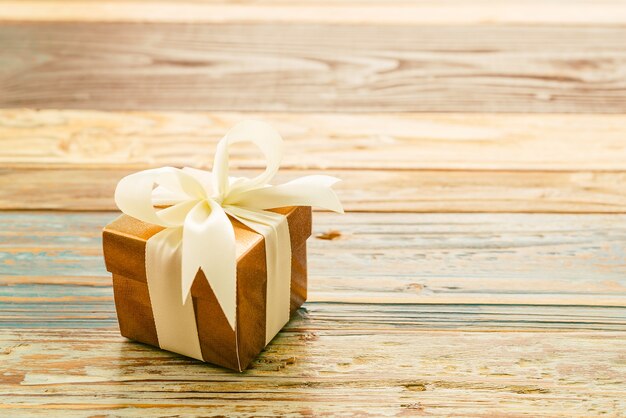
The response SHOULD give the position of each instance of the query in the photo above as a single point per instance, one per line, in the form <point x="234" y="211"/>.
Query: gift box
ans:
<point x="124" y="242"/>
<point x="208" y="265"/>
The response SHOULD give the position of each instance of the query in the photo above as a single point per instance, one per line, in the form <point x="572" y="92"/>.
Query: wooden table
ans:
<point x="480" y="269"/>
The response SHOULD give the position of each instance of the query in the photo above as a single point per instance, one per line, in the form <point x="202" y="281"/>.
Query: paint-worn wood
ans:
<point x="346" y="351"/>
<point x="50" y="306"/>
<point x="59" y="187"/>
<point x="140" y="140"/>
<point x="262" y="66"/>
<point x="575" y="260"/>
<point x="344" y="369"/>
<point x="333" y="11"/>
<point x="449" y="314"/>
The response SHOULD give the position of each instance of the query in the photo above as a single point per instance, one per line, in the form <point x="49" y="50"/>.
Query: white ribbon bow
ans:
<point x="200" y="201"/>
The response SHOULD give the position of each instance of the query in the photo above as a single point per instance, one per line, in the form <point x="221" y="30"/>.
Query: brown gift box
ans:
<point x="124" y="242"/>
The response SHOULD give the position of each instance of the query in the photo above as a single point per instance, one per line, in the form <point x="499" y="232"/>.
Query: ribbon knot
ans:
<point x="195" y="205"/>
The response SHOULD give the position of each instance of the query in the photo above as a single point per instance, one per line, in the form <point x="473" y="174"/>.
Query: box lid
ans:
<point x="124" y="240"/>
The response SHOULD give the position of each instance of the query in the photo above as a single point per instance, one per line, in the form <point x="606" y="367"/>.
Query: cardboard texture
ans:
<point x="124" y="243"/>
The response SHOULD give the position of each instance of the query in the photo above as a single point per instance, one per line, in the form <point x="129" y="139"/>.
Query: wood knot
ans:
<point x="331" y="235"/>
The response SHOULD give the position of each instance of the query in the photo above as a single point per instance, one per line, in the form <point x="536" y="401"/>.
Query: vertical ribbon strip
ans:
<point x="175" y="322"/>
<point x="199" y="235"/>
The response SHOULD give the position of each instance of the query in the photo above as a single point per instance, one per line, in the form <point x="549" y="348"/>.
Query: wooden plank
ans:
<point x="335" y="11"/>
<point x="55" y="260"/>
<point x="67" y="188"/>
<point x="345" y="369"/>
<point x="79" y="311"/>
<point x="61" y="352"/>
<point x="140" y="140"/>
<point x="473" y="68"/>
<point x="454" y="163"/>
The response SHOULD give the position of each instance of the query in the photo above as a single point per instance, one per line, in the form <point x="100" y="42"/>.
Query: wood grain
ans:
<point x="82" y="311"/>
<point x="63" y="188"/>
<point x="430" y="162"/>
<point x="410" y="312"/>
<point x="333" y="11"/>
<point x="139" y="140"/>
<point x="553" y="349"/>
<point x="521" y="260"/>
<point x="350" y="370"/>
<point x="473" y="68"/>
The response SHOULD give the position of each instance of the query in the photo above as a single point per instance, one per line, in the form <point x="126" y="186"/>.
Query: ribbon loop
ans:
<point x="265" y="138"/>
<point x="134" y="193"/>
<point x="303" y="191"/>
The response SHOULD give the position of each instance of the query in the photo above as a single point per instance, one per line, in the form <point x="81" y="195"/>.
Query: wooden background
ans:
<point x="480" y="269"/>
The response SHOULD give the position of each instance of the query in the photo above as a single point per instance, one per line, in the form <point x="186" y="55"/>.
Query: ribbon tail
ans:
<point x="209" y="244"/>
<point x="304" y="191"/>
<point x="275" y="231"/>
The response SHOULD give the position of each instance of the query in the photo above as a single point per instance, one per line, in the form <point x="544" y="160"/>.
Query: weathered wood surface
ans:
<point x="442" y="141"/>
<point x="345" y="370"/>
<point x="285" y="66"/>
<point x="386" y="258"/>
<point x="347" y="352"/>
<point x="330" y="11"/>
<point x="437" y="314"/>
<point x="389" y="162"/>
<point x="63" y="188"/>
